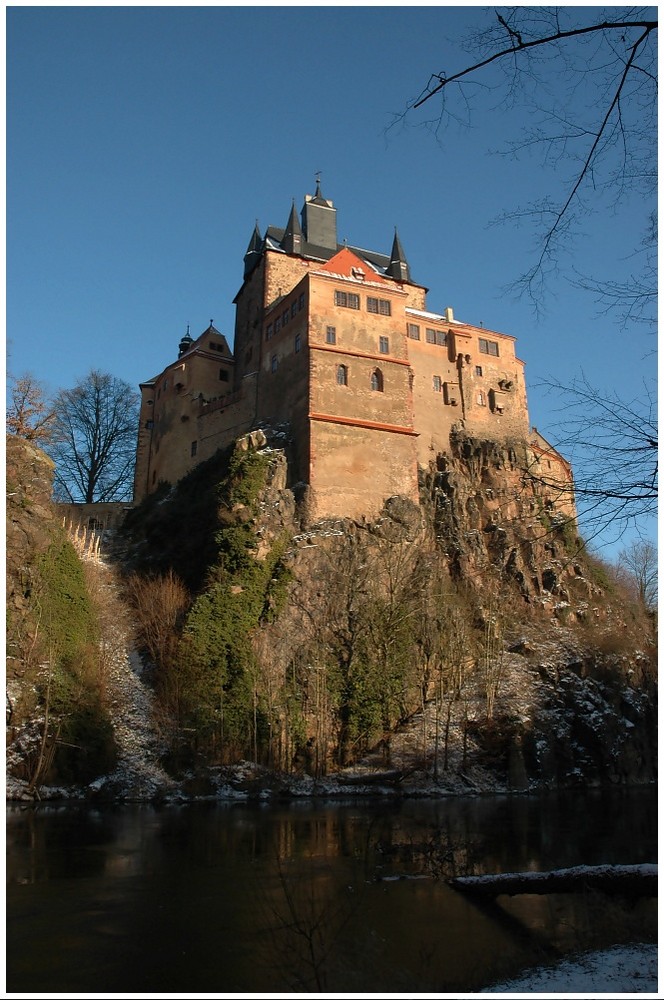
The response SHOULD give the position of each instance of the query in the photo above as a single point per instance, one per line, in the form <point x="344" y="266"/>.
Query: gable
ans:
<point x="348" y="264"/>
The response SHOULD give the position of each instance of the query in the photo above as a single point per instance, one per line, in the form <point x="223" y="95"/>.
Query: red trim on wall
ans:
<point x="335" y="349"/>
<point x="369" y="424"/>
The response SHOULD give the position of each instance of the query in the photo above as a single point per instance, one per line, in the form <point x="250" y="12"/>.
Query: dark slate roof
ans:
<point x="274" y="238"/>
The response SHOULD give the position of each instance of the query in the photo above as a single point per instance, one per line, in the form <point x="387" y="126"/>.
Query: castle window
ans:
<point x="149" y="424"/>
<point x="268" y="332"/>
<point x="384" y="345"/>
<point x="298" y="343"/>
<point x="478" y="370"/>
<point x="488" y="347"/>
<point x="331" y="335"/>
<point x="300" y="301"/>
<point x="480" y="399"/>
<point x="413" y="331"/>
<point x="381" y="306"/>
<point x="277" y="324"/>
<point x="430" y="336"/>
<point x="284" y="318"/>
<point x="293" y="309"/>
<point x="223" y="374"/>
<point x="377" y="380"/>
<point x="274" y="364"/>
<point x="441" y="338"/>
<point x="437" y="383"/>
<point x="194" y="448"/>
<point x="342" y="375"/>
<point x="349" y="300"/>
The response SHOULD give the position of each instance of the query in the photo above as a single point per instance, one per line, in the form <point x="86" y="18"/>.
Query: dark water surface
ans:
<point x="212" y="898"/>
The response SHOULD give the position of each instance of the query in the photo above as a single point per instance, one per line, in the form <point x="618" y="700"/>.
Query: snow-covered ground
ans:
<point x="623" y="969"/>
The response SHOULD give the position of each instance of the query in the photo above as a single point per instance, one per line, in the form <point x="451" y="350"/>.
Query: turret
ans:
<point x="185" y="343"/>
<point x="398" y="266"/>
<point x="254" y="251"/>
<point x="292" y="241"/>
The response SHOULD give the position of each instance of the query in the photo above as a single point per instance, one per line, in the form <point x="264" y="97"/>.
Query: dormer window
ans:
<point x="358" y="273"/>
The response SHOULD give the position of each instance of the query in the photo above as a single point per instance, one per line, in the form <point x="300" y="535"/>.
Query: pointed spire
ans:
<point x="398" y="266"/>
<point x="254" y="251"/>
<point x="292" y="241"/>
<point x="318" y="198"/>
<point x="256" y="241"/>
<point x="185" y="343"/>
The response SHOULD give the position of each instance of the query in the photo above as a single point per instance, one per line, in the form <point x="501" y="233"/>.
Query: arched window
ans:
<point x="342" y="375"/>
<point x="377" y="380"/>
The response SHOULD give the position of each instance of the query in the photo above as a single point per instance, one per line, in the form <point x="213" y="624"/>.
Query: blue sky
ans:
<point x="144" y="142"/>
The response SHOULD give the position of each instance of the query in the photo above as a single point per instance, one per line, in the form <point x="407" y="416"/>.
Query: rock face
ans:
<point x="492" y="517"/>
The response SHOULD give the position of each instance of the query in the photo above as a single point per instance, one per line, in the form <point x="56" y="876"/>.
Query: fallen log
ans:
<point x="370" y="777"/>
<point x="619" y="880"/>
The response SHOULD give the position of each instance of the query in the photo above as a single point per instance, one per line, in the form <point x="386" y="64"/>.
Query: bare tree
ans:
<point x="29" y="414"/>
<point x="639" y="561"/>
<point x="160" y="604"/>
<point x="94" y="439"/>
<point x="613" y="447"/>
<point x="586" y="82"/>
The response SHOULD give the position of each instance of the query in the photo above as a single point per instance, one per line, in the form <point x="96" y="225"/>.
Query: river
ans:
<point x="309" y="896"/>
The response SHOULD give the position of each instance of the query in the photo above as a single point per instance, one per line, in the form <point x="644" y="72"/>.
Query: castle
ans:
<point x="337" y="343"/>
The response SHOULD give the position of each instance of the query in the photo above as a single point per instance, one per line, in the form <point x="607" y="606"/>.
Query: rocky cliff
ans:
<point x="469" y="643"/>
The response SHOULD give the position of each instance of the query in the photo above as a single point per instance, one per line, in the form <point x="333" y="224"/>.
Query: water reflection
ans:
<point x="310" y="896"/>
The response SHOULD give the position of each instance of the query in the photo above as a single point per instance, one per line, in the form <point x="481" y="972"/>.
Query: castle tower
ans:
<point x="338" y="343"/>
<point x="319" y="221"/>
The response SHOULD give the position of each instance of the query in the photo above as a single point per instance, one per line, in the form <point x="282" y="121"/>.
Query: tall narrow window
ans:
<point x="384" y="345"/>
<point x="194" y="448"/>
<point x="437" y="383"/>
<point x="431" y="336"/>
<point x="331" y="335"/>
<point x="342" y="375"/>
<point x="298" y="343"/>
<point x="377" y="380"/>
<point x="413" y="331"/>
<point x="274" y="364"/>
